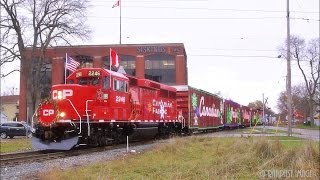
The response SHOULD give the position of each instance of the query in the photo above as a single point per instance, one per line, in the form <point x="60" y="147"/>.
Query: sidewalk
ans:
<point x="296" y="132"/>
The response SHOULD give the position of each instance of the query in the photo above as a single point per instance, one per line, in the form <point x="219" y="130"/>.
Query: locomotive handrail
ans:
<point x="88" y="116"/>
<point x="77" y="114"/>
<point x="35" y="112"/>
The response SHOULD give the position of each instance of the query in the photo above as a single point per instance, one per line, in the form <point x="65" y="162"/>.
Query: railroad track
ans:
<point x="14" y="159"/>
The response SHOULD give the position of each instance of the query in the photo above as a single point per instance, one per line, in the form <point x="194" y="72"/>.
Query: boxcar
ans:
<point x="199" y="110"/>
<point x="256" y="117"/>
<point x="246" y="113"/>
<point x="232" y="114"/>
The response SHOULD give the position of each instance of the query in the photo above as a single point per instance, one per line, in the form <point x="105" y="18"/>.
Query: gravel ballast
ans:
<point x="26" y="170"/>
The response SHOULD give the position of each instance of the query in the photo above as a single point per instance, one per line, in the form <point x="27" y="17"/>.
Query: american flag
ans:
<point x="71" y="64"/>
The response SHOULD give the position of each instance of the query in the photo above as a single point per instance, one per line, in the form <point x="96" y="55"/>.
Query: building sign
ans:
<point x="151" y="49"/>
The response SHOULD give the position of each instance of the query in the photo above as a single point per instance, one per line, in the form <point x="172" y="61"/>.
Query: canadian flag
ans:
<point x="116" y="4"/>
<point x="114" y="58"/>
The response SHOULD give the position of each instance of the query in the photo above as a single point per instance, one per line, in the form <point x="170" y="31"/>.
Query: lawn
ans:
<point x="308" y="127"/>
<point x="252" y="130"/>
<point x="206" y="158"/>
<point x="15" y="145"/>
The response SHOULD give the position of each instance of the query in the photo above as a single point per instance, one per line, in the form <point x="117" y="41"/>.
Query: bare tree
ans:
<point x="35" y="25"/>
<point x="259" y="105"/>
<point x="10" y="91"/>
<point x="307" y="57"/>
<point x="299" y="100"/>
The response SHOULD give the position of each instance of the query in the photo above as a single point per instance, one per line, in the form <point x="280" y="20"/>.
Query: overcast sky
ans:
<point x="231" y="45"/>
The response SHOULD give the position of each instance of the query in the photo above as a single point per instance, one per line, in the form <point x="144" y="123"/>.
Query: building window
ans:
<point x="45" y="76"/>
<point x="45" y="79"/>
<point x="160" y="68"/>
<point x="85" y="61"/>
<point x="128" y="63"/>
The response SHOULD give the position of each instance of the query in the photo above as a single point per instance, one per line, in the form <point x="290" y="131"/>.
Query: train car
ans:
<point x="232" y="114"/>
<point x="198" y="110"/>
<point x="256" y="118"/>
<point x="246" y="113"/>
<point x="98" y="106"/>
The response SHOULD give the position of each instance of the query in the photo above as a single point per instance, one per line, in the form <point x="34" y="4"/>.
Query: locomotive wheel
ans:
<point x="102" y="141"/>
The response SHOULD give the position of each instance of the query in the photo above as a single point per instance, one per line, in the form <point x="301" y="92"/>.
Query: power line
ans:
<point x="218" y="49"/>
<point x="237" y="56"/>
<point x="189" y="18"/>
<point x="114" y="1"/>
<point x="213" y="9"/>
<point x="201" y="18"/>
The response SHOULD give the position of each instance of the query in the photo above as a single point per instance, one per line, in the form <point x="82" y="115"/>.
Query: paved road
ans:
<point x="296" y="132"/>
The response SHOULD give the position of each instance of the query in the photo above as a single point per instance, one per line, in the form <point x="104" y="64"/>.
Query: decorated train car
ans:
<point x="199" y="110"/>
<point x="98" y="106"/>
<point x="256" y="118"/>
<point x="232" y="114"/>
<point x="246" y="113"/>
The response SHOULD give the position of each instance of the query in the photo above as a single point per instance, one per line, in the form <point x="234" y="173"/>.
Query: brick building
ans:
<point x="165" y="63"/>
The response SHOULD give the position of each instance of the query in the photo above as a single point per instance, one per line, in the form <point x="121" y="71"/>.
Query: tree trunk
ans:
<point x="311" y="111"/>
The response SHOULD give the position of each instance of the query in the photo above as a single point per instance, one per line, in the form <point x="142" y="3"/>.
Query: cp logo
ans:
<point x="63" y="94"/>
<point x="48" y="112"/>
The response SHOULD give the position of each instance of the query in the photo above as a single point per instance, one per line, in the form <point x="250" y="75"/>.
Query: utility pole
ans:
<point x="289" y="95"/>
<point x="264" y="121"/>
<point x="264" y="103"/>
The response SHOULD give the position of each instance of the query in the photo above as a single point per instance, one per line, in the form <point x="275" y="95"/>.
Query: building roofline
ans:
<point x="116" y="45"/>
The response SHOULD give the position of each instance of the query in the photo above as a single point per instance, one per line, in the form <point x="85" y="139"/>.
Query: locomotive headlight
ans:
<point x="62" y="114"/>
<point x="59" y="95"/>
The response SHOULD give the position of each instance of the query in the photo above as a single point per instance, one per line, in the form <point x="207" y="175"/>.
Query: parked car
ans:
<point x="11" y="129"/>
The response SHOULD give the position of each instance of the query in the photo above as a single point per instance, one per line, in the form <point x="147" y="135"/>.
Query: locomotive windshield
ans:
<point x="93" y="81"/>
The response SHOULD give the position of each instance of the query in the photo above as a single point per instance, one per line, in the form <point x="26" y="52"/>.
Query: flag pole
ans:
<point x="120" y="19"/>
<point x="65" y="69"/>
<point x="110" y="59"/>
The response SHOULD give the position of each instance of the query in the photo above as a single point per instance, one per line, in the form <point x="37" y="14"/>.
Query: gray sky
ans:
<point x="231" y="45"/>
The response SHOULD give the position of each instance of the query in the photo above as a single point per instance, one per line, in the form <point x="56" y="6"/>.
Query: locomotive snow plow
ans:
<point x="66" y="144"/>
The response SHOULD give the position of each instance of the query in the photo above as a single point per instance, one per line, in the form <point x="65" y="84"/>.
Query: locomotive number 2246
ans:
<point x="120" y="99"/>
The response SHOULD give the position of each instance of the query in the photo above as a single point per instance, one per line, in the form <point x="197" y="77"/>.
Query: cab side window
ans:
<point x="119" y="85"/>
<point x="106" y="83"/>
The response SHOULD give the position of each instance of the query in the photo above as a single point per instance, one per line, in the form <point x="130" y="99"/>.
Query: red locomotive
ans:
<point x="98" y="106"/>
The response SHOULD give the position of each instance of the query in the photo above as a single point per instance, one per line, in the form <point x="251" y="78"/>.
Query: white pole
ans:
<point x="65" y="70"/>
<point x="110" y="61"/>
<point x="127" y="144"/>
<point x="263" y="119"/>
<point x="120" y="19"/>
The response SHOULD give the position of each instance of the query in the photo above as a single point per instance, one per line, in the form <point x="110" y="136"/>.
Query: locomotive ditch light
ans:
<point x="62" y="114"/>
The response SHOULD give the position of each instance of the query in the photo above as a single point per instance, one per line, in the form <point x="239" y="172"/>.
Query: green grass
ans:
<point x="15" y="145"/>
<point x="204" y="158"/>
<point x="260" y="131"/>
<point x="308" y="127"/>
<point x="301" y="126"/>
